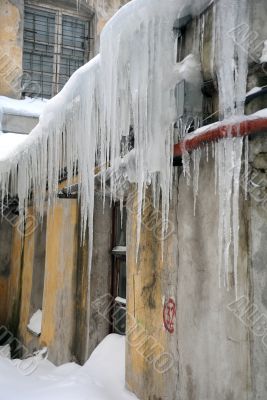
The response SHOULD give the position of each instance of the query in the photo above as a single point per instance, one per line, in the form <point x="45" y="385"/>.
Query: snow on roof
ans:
<point x="262" y="113"/>
<point x="234" y="120"/>
<point x="254" y="90"/>
<point x="27" y="107"/>
<point x="101" y="378"/>
<point x="263" y="58"/>
<point x="9" y="142"/>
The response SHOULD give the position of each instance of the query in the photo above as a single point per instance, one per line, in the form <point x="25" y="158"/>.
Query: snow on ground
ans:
<point x="8" y="143"/>
<point x="101" y="378"/>
<point x="27" y="107"/>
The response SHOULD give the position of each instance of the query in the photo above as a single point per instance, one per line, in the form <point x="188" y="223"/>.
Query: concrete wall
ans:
<point x="22" y="261"/>
<point x="258" y="31"/>
<point x="151" y="280"/>
<point x="214" y="353"/>
<point x="5" y="267"/>
<point x="32" y="280"/>
<point x="257" y="219"/>
<point x="91" y="327"/>
<point x="48" y="269"/>
<point x="58" y="323"/>
<point x="213" y="345"/>
<point x="11" y="252"/>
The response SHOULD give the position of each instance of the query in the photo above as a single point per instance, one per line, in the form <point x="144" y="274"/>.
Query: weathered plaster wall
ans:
<point x="258" y="261"/>
<point x="32" y="283"/>
<point x="5" y="267"/>
<point x="213" y="345"/>
<point x="100" y="280"/>
<point x="11" y="44"/>
<point x="209" y="346"/>
<point x="51" y="272"/>
<point x="58" y="323"/>
<point x="217" y="353"/>
<point x="11" y="34"/>
<point x="11" y="244"/>
<point x="257" y="33"/>
<point x="150" y="282"/>
<point x="91" y="327"/>
<point x="15" y="279"/>
<point x="104" y="10"/>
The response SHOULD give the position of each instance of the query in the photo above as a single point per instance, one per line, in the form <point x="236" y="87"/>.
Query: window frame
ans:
<point x="59" y="12"/>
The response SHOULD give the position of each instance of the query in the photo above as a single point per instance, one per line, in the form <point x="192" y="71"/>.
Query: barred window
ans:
<point x="55" y="45"/>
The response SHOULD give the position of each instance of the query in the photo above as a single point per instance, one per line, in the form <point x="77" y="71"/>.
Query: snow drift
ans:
<point x="101" y="378"/>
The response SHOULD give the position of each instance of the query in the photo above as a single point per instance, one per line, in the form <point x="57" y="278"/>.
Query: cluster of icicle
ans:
<point x="231" y="67"/>
<point x="131" y="83"/>
<point x="232" y="64"/>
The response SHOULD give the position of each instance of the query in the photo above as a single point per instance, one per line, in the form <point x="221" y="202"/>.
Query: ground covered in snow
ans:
<point x="101" y="378"/>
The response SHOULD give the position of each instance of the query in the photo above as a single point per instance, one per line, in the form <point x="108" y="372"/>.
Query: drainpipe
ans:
<point x="211" y="133"/>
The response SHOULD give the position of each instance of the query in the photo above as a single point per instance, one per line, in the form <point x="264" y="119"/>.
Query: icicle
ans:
<point x="131" y="85"/>
<point x="196" y="162"/>
<point x="232" y="79"/>
<point x="139" y="76"/>
<point x="246" y="166"/>
<point x="213" y="149"/>
<point x="238" y="146"/>
<point x="186" y="160"/>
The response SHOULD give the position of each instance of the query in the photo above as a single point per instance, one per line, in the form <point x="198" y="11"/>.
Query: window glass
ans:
<point x="55" y="46"/>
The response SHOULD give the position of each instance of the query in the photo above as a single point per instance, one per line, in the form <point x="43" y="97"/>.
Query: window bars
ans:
<point x="55" y="45"/>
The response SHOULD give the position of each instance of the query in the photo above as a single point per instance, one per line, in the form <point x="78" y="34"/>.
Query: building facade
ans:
<point x="186" y="338"/>
<point x="44" y="266"/>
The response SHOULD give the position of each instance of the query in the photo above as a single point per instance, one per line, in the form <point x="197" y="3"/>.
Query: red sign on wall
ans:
<point x="169" y="315"/>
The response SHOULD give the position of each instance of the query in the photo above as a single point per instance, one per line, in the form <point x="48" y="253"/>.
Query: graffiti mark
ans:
<point x="169" y="315"/>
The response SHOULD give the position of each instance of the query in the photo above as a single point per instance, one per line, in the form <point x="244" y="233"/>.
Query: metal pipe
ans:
<point x="217" y="131"/>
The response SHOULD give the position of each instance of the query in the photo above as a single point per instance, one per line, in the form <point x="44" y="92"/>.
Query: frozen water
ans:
<point x="232" y="67"/>
<point x="131" y="85"/>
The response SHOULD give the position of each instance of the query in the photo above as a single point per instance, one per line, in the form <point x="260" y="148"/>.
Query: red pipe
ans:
<point x="220" y="131"/>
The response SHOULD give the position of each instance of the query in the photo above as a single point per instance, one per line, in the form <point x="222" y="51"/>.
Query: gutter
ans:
<point x="211" y="133"/>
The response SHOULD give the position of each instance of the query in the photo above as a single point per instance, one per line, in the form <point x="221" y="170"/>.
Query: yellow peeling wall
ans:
<point x="104" y="10"/>
<point x="62" y="234"/>
<point x="58" y="325"/>
<point x="59" y="295"/>
<point x="151" y="281"/>
<point x="10" y="270"/>
<point x="11" y="39"/>
<point x="207" y="340"/>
